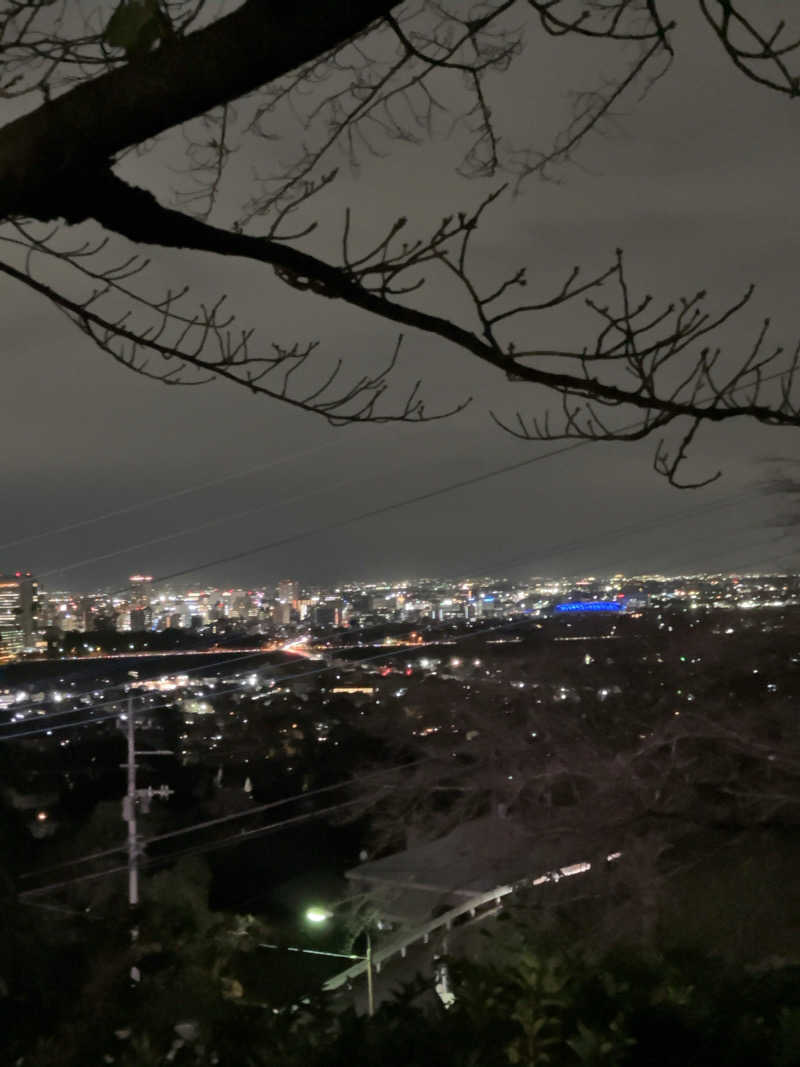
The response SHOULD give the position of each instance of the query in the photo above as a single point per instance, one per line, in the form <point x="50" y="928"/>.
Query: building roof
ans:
<point x="473" y="858"/>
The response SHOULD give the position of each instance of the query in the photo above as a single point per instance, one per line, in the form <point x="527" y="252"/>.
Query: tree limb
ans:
<point x="54" y="146"/>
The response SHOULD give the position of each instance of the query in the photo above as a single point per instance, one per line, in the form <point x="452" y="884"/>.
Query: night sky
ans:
<point x="697" y="183"/>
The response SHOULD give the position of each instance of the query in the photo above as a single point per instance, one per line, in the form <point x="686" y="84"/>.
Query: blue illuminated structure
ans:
<point x="591" y="605"/>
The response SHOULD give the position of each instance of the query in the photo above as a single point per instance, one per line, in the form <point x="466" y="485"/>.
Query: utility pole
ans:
<point x="133" y="797"/>
<point x="370" y="980"/>
<point x="129" y="812"/>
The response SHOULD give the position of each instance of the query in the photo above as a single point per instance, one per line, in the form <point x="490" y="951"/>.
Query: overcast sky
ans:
<point x="699" y="186"/>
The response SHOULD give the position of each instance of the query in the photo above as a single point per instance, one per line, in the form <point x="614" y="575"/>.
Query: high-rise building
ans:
<point x="282" y="613"/>
<point x="19" y="612"/>
<point x="289" y="592"/>
<point x="141" y="619"/>
<point x="240" y="605"/>
<point x="329" y="613"/>
<point x="140" y="586"/>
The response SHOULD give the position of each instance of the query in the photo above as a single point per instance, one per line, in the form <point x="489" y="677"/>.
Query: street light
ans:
<point x="319" y="915"/>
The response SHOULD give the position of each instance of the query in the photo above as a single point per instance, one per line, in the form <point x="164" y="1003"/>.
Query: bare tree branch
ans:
<point x="356" y="79"/>
<point x="761" y="55"/>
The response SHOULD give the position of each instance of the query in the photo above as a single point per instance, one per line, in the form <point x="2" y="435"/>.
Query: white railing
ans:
<point x="423" y="933"/>
<point x="400" y="945"/>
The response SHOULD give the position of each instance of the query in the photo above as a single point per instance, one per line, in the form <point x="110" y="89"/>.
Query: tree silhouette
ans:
<point x="91" y="92"/>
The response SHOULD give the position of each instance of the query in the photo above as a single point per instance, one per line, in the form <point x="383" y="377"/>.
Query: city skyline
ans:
<point x="293" y="606"/>
<point x="283" y="615"/>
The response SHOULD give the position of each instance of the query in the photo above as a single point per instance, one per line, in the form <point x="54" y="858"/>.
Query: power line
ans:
<point x="604" y="535"/>
<point x="287" y="678"/>
<point x="63" y="726"/>
<point x="720" y="550"/>
<point x="229" y="841"/>
<point x="243" y="835"/>
<point x="195" y="527"/>
<point x="50" y="715"/>
<point x="539" y="554"/>
<point x="557" y="549"/>
<point x="406" y="502"/>
<point x="53" y="907"/>
<point x="232" y="658"/>
<point x="277" y="543"/>
<point x="232" y="839"/>
<point x="383" y="509"/>
<point x="152" y="501"/>
<point x="387" y="653"/>
<point x="739" y="549"/>
<point x="312" y="531"/>
<point x="337" y="524"/>
<point x="194" y="827"/>
<point x="195" y="849"/>
<point x="320" y="670"/>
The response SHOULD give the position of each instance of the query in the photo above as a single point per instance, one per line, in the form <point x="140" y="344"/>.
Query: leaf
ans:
<point x="589" y="1046"/>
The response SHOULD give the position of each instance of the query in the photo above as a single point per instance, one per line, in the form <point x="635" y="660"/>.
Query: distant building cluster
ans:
<point x="35" y="621"/>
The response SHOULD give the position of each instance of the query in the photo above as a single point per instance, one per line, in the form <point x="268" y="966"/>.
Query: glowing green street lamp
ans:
<point x="318" y="915"/>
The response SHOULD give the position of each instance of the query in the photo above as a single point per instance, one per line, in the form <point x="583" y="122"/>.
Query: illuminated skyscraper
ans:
<point x="141" y="619"/>
<point x="19" y="610"/>
<point x="289" y="592"/>
<point x="141" y="585"/>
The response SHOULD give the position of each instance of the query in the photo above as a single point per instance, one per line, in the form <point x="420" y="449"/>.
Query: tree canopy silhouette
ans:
<point x="88" y="93"/>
